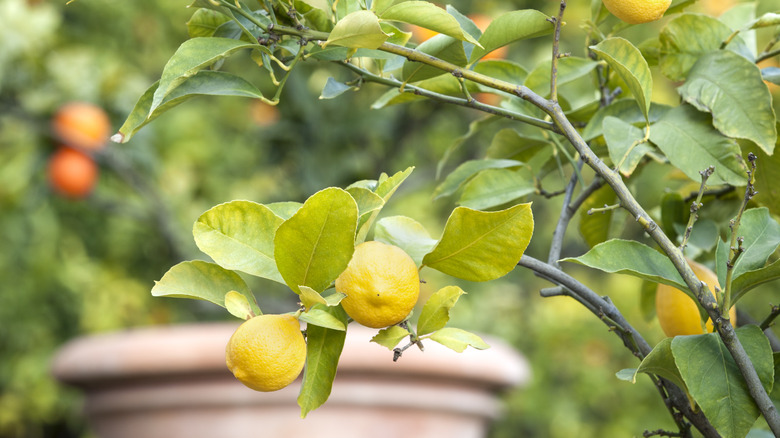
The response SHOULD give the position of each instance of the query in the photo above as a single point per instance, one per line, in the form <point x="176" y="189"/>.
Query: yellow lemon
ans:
<point x="678" y="314"/>
<point x="381" y="284"/>
<point x="637" y="11"/>
<point x="267" y="352"/>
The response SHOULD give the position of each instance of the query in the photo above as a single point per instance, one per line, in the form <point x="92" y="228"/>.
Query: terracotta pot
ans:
<point x="172" y="382"/>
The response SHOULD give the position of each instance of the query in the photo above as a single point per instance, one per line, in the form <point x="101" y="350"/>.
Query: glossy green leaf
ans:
<point x="239" y="235"/>
<point x="752" y="279"/>
<point x="203" y="281"/>
<point x="204" y="22"/>
<point x="691" y="144"/>
<point x="323" y="350"/>
<point x="503" y="69"/>
<point x="429" y="16"/>
<point x="626" y="110"/>
<point x="457" y="339"/>
<point x="494" y="187"/>
<point x="359" y="29"/>
<point x="316" y="18"/>
<point x="212" y="83"/>
<point x="595" y="227"/>
<point x="661" y="362"/>
<point x="688" y="37"/>
<point x="624" y="142"/>
<point x="314" y="246"/>
<point x="319" y="315"/>
<point x="284" y="209"/>
<point x="715" y="382"/>
<point x="390" y="337"/>
<point x="510" y="27"/>
<point x="368" y="203"/>
<point x="439" y="46"/>
<point x="570" y="69"/>
<point x="238" y="306"/>
<point x="732" y="89"/>
<point x="761" y="234"/>
<point x="631" y="66"/>
<point x="631" y="258"/>
<point x="436" y="312"/>
<point x="466" y="171"/>
<point x="309" y="297"/>
<point x="334" y="88"/>
<point x="385" y="188"/>
<point x="193" y="55"/>
<point x="482" y="246"/>
<point x="405" y="233"/>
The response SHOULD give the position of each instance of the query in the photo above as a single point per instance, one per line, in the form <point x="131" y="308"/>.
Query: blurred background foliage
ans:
<point x="74" y="267"/>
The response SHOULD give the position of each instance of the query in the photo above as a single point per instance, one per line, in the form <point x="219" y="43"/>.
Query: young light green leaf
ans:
<point x="631" y="258"/>
<point x="626" y="374"/>
<point x="238" y="305"/>
<point x="436" y="312"/>
<point x="314" y="246"/>
<point x="359" y="29"/>
<point x="767" y="20"/>
<point x="193" y="55"/>
<point x="211" y="83"/>
<point x="494" y="187"/>
<point x="624" y="143"/>
<point x="405" y="233"/>
<point x="457" y="339"/>
<point x="482" y="246"/>
<point x="466" y="171"/>
<point x="204" y="22"/>
<point x="385" y="188"/>
<point x="626" y="110"/>
<point x="715" y="382"/>
<point x="732" y="89"/>
<point x="761" y="237"/>
<point x="309" y="297"/>
<point x="284" y="209"/>
<point x="429" y="16"/>
<point x="595" y="228"/>
<point x="323" y="350"/>
<point x="319" y="315"/>
<point x="334" y="299"/>
<point x="204" y="281"/>
<point x="688" y="37"/>
<point x="239" y="235"/>
<point x="390" y="337"/>
<point x="691" y="144"/>
<point x="631" y="66"/>
<point x="510" y="27"/>
<point x="368" y="203"/>
<point x="660" y="362"/>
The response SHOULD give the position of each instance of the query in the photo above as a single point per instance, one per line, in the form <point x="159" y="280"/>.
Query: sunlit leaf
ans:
<point x="510" y="27"/>
<point x="631" y="66"/>
<point x="320" y="316"/>
<point x="494" y="187"/>
<point x="624" y="142"/>
<point x="238" y="305"/>
<point x="390" y="337"/>
<point x="457" y="339"/>
<point x="436" y="312"/>
<point x="429" y="16"/>
<point x="309" y="297"/>
<point x="356" y="30"/>
<point x="405" y="233"/>
<point x="323" y="350"/>
<point x="466" y="171"/>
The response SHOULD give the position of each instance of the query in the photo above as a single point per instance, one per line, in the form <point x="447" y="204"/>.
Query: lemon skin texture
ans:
<point x="267" y="352"/>
<point x="381" y="284"/>
<point x="678" y="314"/>
<point x="637" y="11"/>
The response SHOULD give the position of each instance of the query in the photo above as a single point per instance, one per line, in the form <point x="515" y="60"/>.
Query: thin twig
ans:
<point x="767" y="322"/>
<point x="735" y="248"/>
<point x="705" y="174"/>
<point x="555" y="53"/>
<point x="563" y="220"/>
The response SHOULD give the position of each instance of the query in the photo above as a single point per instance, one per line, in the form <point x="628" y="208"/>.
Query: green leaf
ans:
<point x="673" y="212"/>
<point x="493" y="187"/>
<point x="466" y="171"/>
<point x="626" y="110"/>
<point x="626" y="374"/>
<point x="385" y="188"/>
<point x="309" y="297"/>
<point x="203" y="281"/>
<point x="320" y="316"/>
<point x="732" y="89"/>
<point x="761" y="234"/>
<point x="631" y="258"/>
<point x="211" y="83"/>
<point x="440" y="46"/>
<point x="239" y="235"/>
<point x="359" y="29"/>
<point x="502" y="69"/>
<point x="436" y="312"/>
<point x="284" y="209"/>
<point x="767" y="175"/>
<point x="429" y="16"/>
<point x="688" y="37"/>
<point x="661" y="362"/>
<point x="238" y="305"/>
<point x="405" y="233"/>
<point x="570" y="69"/>
<point x="594" y="228"/>
<point x="751" y="279"/>
<point x="334" y="298"/>
<point x="631" y="66"/>
<point x="204" y="22"/>
<point x="457" y="339"/>
<point x="716" y="383"/>
<point x="323" y="350"/>
<point x="510" y="27"/>
<point x="334" y="88"/>
<point x="624" y="143"/>
<point x="193" y="55"/>
<point x="390" y="337"/>
<point x="482" y="246"/>
<point x="314" y="246"/>
<point x="368" y="204"/>
<point x="691" y="144"/>
<point x="510" y="144"/>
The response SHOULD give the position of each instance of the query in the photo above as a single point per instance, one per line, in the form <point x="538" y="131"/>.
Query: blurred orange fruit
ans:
<point x="72" y="173"/>
<point x="263" y="114"/>
<point x="82" y="125"/>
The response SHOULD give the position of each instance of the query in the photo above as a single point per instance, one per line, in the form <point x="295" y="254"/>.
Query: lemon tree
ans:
<point x="588" y="117"/>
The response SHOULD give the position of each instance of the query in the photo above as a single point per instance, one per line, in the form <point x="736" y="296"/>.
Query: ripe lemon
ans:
<point x="678" y="314"/>
<point x="381" y="284"/>
<point x="637" y="11"/>
<point x="267" y="352"/>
